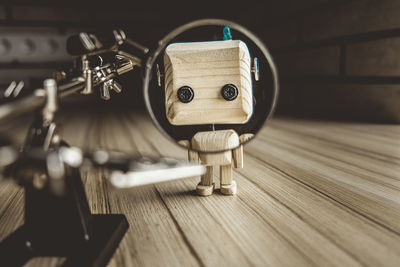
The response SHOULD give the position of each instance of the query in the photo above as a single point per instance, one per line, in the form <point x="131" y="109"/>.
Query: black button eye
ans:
<point x="185" y="94"/>
<point x="229" y="92"/>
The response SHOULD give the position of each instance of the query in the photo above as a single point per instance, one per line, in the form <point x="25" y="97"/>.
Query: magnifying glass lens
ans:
<point x="211" y="85"/>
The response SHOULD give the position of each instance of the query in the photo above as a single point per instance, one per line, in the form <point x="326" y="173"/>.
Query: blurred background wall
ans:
<point x="337" y="59"/>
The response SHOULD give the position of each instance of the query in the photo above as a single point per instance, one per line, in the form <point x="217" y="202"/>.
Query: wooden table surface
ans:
<point x="312" y="193"/>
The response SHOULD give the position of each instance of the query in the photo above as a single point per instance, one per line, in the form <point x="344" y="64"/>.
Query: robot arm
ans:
<point x="237" y="153"/>
<point x="193" y="156"/>
<point x="245" y="137"/>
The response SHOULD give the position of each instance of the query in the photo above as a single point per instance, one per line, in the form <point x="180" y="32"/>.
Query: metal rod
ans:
<point x="37" y="99"/>
<point x="138" y="46"/>
<point x="74" y="86"/>
<point x="20" y="106"/>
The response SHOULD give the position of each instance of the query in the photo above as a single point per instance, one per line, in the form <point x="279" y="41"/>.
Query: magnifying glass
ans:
<point x="210" y="85"/>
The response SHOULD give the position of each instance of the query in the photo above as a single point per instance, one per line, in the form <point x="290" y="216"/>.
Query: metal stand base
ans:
<point x="107" y="232"/>
<point x="63" y="226"/>
<point x="58" y="220"/>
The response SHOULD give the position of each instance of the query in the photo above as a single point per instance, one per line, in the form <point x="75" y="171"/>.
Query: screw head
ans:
<point x="185" y="94"/>
<point x="229" y="92"/>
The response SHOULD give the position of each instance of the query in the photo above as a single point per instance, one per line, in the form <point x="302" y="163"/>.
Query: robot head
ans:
<point x="208" y="83"/>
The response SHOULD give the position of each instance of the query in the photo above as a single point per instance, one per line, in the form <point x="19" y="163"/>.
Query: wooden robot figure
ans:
<point x="210" y="83"/>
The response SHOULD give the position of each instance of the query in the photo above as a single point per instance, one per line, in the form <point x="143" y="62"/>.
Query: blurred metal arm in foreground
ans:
<point x="100" y="59"/>
<point x="47" y="169"/>
<point x="58" y="219"/>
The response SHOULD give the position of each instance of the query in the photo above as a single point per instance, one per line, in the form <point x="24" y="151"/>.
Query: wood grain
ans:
<point x="206" y="67"/>
<point x="312" y="193"/>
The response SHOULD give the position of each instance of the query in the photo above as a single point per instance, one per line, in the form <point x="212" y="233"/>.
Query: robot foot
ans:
<point x="204" y="190"/>
<point x="230" y="189"/>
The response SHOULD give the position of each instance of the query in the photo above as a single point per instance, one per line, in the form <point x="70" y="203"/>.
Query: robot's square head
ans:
<point x="208" y="83"/>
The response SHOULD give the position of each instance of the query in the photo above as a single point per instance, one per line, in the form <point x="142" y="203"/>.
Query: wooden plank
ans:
<point x="365" y="240"/>
<point x="331" y="132"/>
<point x="306" y="238"/>
<point x="314" y="235"/>
<point x="371" y="199"/>
<point x="153" y="239"/>
<point x="206" y="236"/>
<point x="311" y="193"/>
<point x="11" y="208"/>
<point x="381" y="171"/>
<point x="238" y="225"/>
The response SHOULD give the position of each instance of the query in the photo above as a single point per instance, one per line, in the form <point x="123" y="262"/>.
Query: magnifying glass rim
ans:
<point x="199" y="23"/>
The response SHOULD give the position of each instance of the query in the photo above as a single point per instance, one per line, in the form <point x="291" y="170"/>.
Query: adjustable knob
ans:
<point x="110" y="85"/>
<point x="88" y="75"/>
<point x="105" y="92"/>
<point x="116" y="86"/>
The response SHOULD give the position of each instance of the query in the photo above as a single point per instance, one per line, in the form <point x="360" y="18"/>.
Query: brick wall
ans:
<point x="340" y="61"/>
<point x="33" y="37"/>
<point x="33" y="33"/>
<point x="336" y="58"/>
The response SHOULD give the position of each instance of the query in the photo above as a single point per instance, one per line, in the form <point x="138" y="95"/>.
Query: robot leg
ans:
<point x="228" y="186"/>
<point x="206" y="185"/>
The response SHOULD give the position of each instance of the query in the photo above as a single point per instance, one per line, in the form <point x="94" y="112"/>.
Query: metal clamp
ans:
<point x="51" y="106"/>
<point x="88" y="75"/>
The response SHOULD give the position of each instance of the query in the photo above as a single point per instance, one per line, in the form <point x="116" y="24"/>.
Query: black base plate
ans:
<point x="23" y="244"/>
